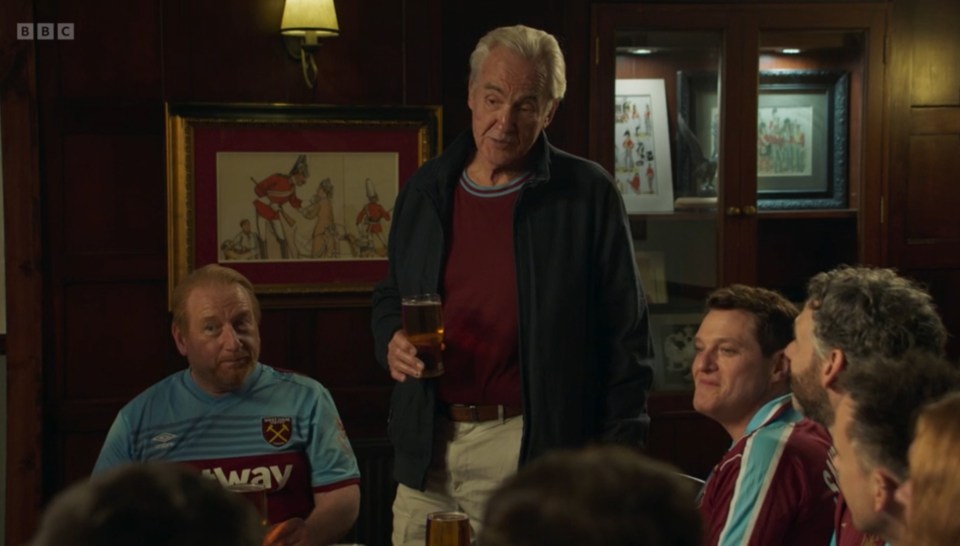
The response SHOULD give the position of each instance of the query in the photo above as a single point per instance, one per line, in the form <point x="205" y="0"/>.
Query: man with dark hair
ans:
<point x="772" y="486"/>
<point x="149" y="504"/>
<point x="872" y="431"/>
<point x="598" y="496"/>
<point x="852" y="316"/>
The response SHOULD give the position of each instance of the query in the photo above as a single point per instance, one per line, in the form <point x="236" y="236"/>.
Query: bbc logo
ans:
<point x="45" y="31"/>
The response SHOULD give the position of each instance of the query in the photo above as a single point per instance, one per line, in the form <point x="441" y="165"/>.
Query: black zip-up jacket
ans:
<point x="583" y="324"/>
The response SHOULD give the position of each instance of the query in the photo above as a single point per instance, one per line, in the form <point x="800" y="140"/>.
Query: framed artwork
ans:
<point x="296" y="197"/>
<point x="642" y="146"/>
<point x="802" y="136"/>
<point x="802" y="127"/>
<point x="674" y="349"/>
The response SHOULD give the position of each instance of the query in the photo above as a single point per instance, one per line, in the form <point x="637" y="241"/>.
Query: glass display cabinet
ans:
<point x="746" y="140"/>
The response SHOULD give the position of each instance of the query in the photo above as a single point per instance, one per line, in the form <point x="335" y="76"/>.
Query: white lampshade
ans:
<point x="309" y="17"/>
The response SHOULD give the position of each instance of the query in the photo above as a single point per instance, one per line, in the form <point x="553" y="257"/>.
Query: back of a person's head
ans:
<point x="149" y="504"/>
<point x="888" y="394"/>
<point x="598" y="496"/>
<point x="870" y="311"/>
<point x="935" y="476"/>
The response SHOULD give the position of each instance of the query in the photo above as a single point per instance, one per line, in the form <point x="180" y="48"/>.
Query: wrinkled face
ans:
<point x="222" y="339"/>
<point x="809" y="396"/>
<point x="856" y="482"/>
<point x="732" y="379"/>
<point x="508" y="109"/>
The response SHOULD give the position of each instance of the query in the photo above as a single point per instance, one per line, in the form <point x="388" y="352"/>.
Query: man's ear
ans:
<point x="884" y="491"/>
<point x="179" y="339"/>
<point x="780" y="370"/>
<point x="834" y="363"/>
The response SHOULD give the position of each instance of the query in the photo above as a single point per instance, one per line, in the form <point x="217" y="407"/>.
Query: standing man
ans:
<point x="545" y="326"/>
<point x="852" y="316"/>
<point x="872" y="431"/>
<point x="773" y="486"/>
<point x="240" y="421"/>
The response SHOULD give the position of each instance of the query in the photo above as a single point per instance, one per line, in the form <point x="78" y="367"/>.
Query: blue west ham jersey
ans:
<point x="279" y="429"/>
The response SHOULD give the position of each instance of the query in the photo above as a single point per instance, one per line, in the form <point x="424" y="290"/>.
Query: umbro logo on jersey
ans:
<point x="276" y="430"/>
<point x="163" y="437"/>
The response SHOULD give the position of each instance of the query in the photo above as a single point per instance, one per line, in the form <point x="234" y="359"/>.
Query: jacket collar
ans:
<point x="454" y="159"/>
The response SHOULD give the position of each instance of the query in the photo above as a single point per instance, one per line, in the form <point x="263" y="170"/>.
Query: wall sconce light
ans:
<point x="309" y="20"/>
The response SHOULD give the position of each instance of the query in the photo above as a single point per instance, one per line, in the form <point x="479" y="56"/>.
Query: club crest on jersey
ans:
<point x="276" y="430"/>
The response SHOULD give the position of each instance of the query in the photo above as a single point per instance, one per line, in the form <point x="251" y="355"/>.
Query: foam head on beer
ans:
<point x="422" y="318"/>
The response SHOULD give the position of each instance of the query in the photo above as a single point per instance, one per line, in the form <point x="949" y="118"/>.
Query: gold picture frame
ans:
<point x="241" y="177"/>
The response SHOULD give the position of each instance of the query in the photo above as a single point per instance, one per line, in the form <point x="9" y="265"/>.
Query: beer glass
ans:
<point x="255" y="494"/>
<point x="448" y="529"/>
<point x="423" y="324"/>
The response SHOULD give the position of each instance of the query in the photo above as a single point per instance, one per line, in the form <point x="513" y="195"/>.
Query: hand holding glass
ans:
<point x="422" y="320"/>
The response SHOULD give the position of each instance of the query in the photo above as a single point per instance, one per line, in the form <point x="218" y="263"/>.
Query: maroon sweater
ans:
<point x="480" y="298"/>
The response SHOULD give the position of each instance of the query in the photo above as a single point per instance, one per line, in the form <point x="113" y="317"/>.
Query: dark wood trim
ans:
<point x="22" y="211"/>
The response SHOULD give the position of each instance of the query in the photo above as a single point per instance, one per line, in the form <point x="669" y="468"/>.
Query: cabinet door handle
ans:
<point x="734" y="211"/>
<point x="749" y="210"/>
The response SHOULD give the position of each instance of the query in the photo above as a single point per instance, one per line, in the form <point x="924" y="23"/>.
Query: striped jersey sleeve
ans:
<point x="772" y="487"/>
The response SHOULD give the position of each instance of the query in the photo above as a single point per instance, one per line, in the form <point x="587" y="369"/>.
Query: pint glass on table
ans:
<point x="423" y="324"/>
<point x="448" y="529"/>
<point x="255" y="494"/>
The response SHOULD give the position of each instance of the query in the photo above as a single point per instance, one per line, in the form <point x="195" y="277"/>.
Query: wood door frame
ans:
<point x="24" y="274"/>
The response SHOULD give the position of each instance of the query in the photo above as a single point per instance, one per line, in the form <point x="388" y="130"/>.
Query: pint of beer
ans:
<point x="423" y="324"/>
<point x="255" y="494"/>
<point x="448" y="529"/>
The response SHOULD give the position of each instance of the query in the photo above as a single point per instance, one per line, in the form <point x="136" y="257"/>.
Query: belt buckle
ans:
<point x="474" y="412"/>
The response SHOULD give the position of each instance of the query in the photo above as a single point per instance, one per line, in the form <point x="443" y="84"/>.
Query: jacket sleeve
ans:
<point x="623" y="327"/>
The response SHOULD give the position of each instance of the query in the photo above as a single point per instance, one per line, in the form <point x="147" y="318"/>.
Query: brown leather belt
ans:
<point x="463" y="413"/>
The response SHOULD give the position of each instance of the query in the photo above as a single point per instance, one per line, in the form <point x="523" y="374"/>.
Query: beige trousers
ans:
<point x="469" y="462"/>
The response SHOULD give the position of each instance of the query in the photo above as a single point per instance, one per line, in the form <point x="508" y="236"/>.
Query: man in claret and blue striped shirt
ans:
<point x="775" y="484"/>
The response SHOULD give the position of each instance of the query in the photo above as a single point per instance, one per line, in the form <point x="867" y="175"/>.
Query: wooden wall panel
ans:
<point x="232" y="51"/>
<point x="944" y="285"/>
<point x="22" y="158"/>
<point x="115" y="52"/>
<point x="924" y="115"/>
<point x="112" y="203"/>
<point x="83" y="449"/>
<point x="932" y="199"/>
<point x="933" y="52"/>
<point x="117" y="341"/>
